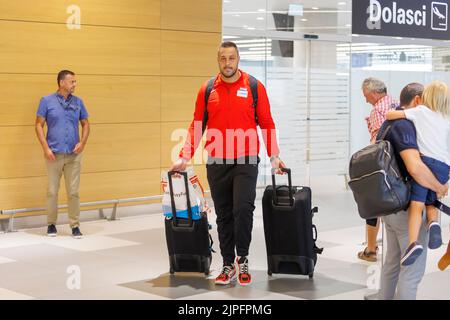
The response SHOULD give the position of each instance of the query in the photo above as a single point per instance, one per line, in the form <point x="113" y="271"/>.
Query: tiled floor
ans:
<point x="127" y="259"/>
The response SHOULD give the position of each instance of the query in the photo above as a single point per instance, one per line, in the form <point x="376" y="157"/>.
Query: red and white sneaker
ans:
<point x="244" y="277"/>
<point x="227" y="275"/>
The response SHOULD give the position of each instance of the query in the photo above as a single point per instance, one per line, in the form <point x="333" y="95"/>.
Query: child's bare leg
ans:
<point x="414" y="249"/>
<point x="372" y="233"/>
<point x="432" y="214"/>
<point x="414" y="220"/>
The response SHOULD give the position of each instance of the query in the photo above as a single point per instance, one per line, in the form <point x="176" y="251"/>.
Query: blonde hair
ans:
<point x="436" y="97"/>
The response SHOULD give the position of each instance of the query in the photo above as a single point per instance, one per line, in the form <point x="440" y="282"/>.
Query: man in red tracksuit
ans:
<point x="233" y="148"/>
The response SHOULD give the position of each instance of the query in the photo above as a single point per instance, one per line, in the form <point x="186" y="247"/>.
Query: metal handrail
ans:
<point x="84" y="204"/>
<point x="113" y="216"/>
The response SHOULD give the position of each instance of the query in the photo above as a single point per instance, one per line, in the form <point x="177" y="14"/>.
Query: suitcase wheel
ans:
<point x="311" y="275"/>
<point x="171" y="271"/>
<point x="269" y="272"/>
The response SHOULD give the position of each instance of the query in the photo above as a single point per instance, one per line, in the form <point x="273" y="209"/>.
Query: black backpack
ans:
<point x="378" y="186"/>
<point x="209" y="86"/>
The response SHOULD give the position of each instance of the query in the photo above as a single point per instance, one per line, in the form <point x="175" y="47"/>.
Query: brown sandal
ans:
<point x="369" y="256"/>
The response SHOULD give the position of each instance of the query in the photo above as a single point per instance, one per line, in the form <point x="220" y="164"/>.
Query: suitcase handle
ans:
<point x="172" y="200"/>
<point x="291" y="191"/>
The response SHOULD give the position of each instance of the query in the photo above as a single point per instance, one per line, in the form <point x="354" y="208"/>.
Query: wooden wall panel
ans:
<point x="121" y="99"/>
<point x="198" y="15"/>
<point x="189" y="53"/>
<point x="125" y="13"/>
<point x="200" y="170"/>
<point x="125" y="146"/>
<point x="121" y="184"/>
<point x="178" y="96"/>
<point x="31" y="192"/>
<point x="173" y="135"/>
<point x="20" y="96"/>
<point x="111" y="147"/>
<point x="109" y="99"/>
<point x="48" y="48"/>
<point x="20" y="153"/>
<point x="139" y="66"/>
<point x="23" y="192"/>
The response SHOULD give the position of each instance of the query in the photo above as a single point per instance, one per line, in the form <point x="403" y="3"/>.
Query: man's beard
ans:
<point x="230" y="76"/>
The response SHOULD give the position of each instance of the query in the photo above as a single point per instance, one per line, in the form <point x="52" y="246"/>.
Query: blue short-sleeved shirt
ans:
<point x="62" y="117"/>
<point x="402" y="136"/>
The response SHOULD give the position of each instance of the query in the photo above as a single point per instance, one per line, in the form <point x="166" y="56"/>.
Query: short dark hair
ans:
<point x="229" y="44"/>
<point x="62" y="75"/>
<point x="409" y="92"/>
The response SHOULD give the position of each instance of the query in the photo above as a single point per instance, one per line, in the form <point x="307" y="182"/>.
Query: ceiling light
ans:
<point x="259" y="49"/>
<point x="342" y="3"/>
<point x="304" y="20"/>
<point x="348" y="25"/>
<point x="260" y="18"/>
<point x="237" y="15"/>
<point x="261" y="10"/>
<point x="295" y="10"/>
<point x="315" y="8"/>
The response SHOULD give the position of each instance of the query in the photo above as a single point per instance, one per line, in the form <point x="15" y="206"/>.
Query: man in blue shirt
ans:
<point x="399" y="282"/>
<point x="63" y="147"/>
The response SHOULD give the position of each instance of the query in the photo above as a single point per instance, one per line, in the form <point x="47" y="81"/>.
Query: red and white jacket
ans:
<point x="231" y="128"/>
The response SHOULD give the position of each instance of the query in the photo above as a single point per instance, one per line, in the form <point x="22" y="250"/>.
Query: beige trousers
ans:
<point x="70" y="166"/>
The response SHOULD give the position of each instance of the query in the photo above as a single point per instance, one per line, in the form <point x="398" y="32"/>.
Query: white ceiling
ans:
<point x="320" y="16"/>
<point x="248" y="5"/>
<point x="330" y="18"/>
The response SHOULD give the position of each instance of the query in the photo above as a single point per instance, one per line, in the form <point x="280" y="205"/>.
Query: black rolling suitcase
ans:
<point x="288" y="229"/>
<point x="188" y="241"/>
